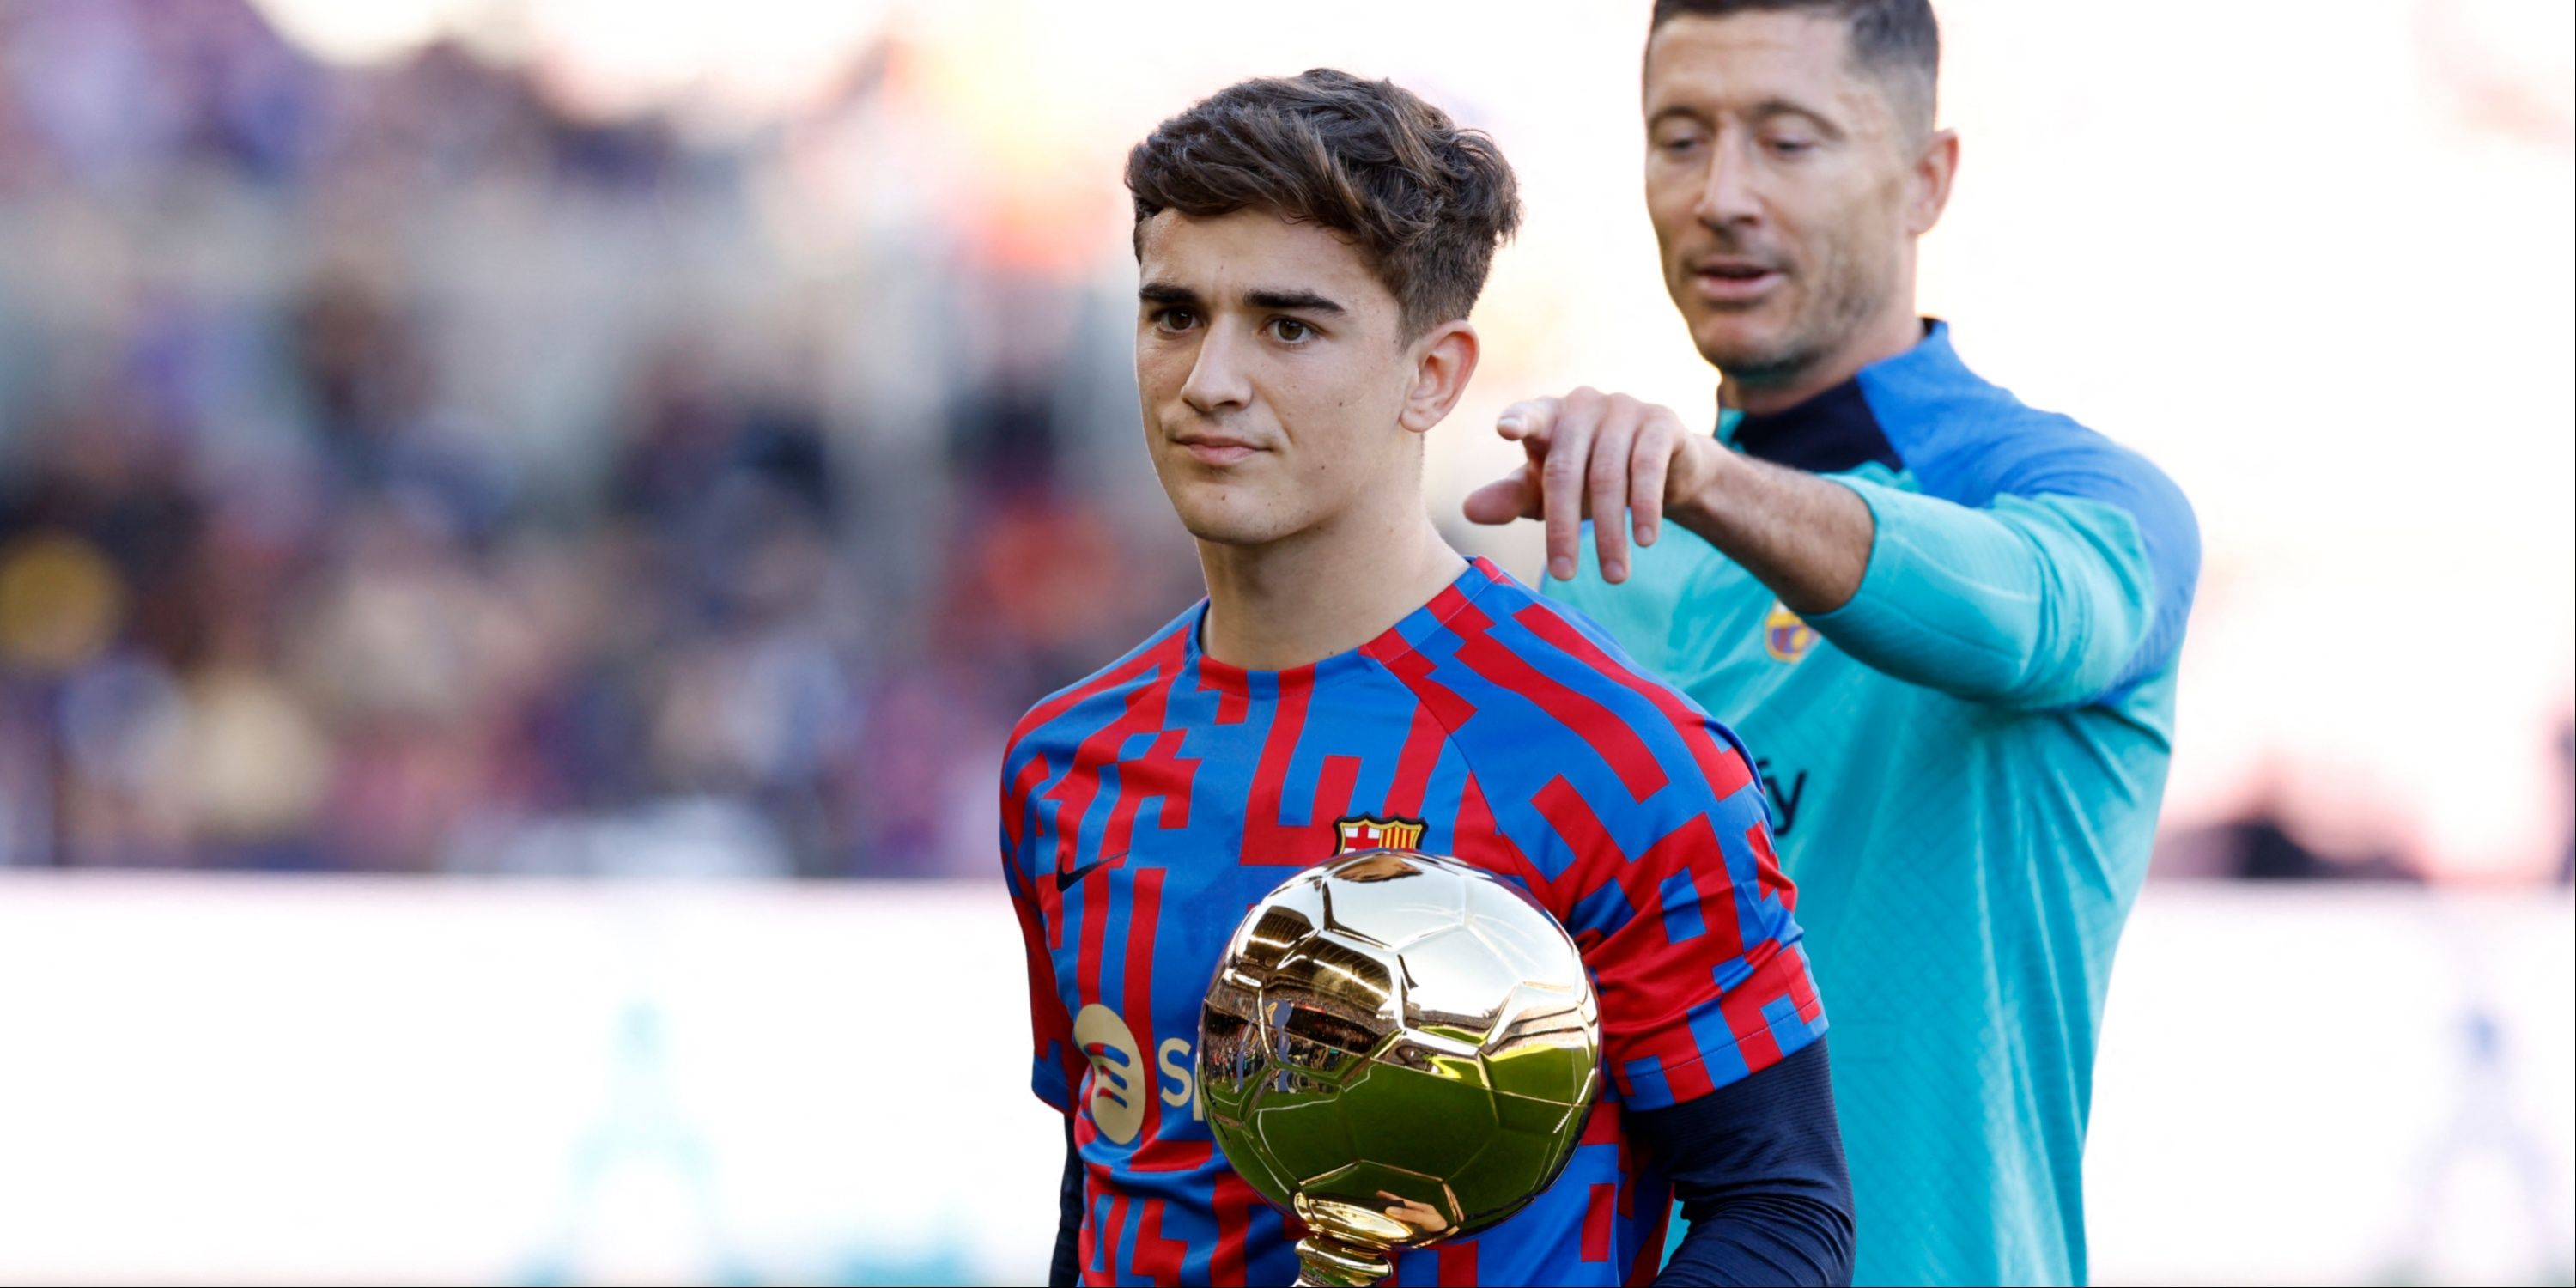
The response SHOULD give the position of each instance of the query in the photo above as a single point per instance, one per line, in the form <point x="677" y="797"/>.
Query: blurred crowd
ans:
<point x="400" y="472"/>
<point x="418" y="466"/>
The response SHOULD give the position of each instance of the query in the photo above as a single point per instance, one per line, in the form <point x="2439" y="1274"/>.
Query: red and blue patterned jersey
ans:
<point x="1146" y="809"/>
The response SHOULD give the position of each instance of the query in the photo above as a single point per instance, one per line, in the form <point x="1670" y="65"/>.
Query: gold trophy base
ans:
<point x="1347" y="1246"/>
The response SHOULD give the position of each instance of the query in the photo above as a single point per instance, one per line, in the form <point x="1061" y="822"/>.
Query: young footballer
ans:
<point x="1308" y="250"/>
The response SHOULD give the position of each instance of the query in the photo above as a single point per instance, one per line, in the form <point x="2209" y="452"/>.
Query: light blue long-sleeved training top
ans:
<point x="1964" y="764"/>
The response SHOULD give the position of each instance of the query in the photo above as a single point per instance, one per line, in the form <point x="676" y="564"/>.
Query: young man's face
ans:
<point x="1273" y="371"/>
<point x="1781" y="184"/>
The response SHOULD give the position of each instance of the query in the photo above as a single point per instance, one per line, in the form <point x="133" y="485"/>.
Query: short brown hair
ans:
<point x="1427" y="200"/>
<point x="1898" y="41"/>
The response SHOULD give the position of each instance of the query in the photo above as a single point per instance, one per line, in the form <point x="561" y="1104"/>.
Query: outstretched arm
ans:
<point x="1593" y="454"/>
<point x="2074" y="581"/>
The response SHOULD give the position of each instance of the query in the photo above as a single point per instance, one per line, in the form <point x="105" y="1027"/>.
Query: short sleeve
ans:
<point x="1055" y="1060"/>
<point x="1642" y="821"/>
<point x="1692" y="942"/>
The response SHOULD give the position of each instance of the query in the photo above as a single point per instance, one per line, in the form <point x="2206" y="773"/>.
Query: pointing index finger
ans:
<point x="1562" y="482"/>
<point x="1528" y="419"/>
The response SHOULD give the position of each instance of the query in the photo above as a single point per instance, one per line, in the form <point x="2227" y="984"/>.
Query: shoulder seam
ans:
<point x="1107" y="678"/>
<point x="1448" y="732"/>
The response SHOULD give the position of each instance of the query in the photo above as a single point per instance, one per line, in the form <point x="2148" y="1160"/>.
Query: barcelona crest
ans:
<point x="1378" y="834"/>
<point x="1784" y="636"/>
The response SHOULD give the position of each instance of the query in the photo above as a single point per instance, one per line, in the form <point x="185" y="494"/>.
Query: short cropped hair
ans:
<point x="1426" y="200"/>
<point x="1897" y="41"/>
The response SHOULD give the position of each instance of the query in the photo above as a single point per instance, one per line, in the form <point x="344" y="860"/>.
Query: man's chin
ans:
<point x="1746" y="350"/>
<point x="1226" y="526"/>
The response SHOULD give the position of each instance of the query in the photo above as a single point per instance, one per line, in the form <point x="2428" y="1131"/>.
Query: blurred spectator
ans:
<point x="382" y="511"/>
<point x="410" y="468"/>
<point x="2265" y="841"/>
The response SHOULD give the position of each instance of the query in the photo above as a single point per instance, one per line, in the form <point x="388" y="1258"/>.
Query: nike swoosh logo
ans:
<point x="1064" y="880"/>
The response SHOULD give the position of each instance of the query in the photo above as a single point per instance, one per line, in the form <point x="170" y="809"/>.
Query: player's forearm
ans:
<point x="1065" y="1268"/>
<point x="1806" y="539"/>
<point x="1758" y="1167"/>
<point x="2036" y="602"/>
<point x="1763" y="1239"/>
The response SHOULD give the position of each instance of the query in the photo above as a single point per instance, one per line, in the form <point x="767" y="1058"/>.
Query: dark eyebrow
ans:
<point x="1774" y="107"/>
<point x="1293" y="301"/>
<point x="1767" y="109"/>
<point x="1166" y="293"/>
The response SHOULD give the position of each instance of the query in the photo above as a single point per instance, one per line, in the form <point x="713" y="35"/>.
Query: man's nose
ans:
<point x="1728" y="196"/>
<point x="1217" y="382"/>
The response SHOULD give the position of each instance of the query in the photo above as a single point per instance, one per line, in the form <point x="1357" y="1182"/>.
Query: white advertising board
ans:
<point x="347" y="1079"/>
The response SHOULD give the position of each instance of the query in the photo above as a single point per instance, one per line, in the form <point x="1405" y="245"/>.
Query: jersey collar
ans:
<point x="1231" y="681"/>
<point x="1836" y="430"/>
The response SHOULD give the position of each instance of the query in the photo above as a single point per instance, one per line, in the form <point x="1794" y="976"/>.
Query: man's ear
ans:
<point x="1933" y="171"/>
<point x="1444" y="360"/>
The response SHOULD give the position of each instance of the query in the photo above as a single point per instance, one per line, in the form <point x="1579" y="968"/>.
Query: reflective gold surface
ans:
<point x="1398" y="1048"/>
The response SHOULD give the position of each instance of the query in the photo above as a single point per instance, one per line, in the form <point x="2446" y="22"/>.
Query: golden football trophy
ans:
<point x="1398" y="1048"/>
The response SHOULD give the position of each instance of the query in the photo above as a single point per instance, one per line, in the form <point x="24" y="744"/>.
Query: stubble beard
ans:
<point x="1846" y="299"/>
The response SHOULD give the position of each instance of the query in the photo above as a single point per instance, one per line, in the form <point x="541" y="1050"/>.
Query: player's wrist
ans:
<point x="1699" y="484"/>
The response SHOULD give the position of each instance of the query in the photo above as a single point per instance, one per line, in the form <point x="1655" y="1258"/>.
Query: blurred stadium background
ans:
<point x="523" y="524"/>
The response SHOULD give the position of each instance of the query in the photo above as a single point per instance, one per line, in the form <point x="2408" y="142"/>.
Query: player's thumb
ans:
<point x="1515" y="496"/>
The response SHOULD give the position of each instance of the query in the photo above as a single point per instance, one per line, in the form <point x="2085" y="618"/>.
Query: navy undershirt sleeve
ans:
<point x="1758" y="1167"/>
<point x="1066" y="1267"/>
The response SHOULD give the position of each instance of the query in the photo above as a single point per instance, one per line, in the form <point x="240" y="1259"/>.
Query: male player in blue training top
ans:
<point x="1948" y="622"/>
<point x="1308" y="252"/>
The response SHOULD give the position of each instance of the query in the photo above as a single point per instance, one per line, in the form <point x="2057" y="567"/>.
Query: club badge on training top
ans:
<point x="1784" y="636"/>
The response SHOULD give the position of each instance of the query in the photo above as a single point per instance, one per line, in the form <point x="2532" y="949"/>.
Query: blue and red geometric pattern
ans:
<point x="1145" y="809"/>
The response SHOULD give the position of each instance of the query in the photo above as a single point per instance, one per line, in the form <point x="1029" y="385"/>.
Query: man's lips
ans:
<point x="1216" y="449"/>
<point x="1734" y="281"/>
